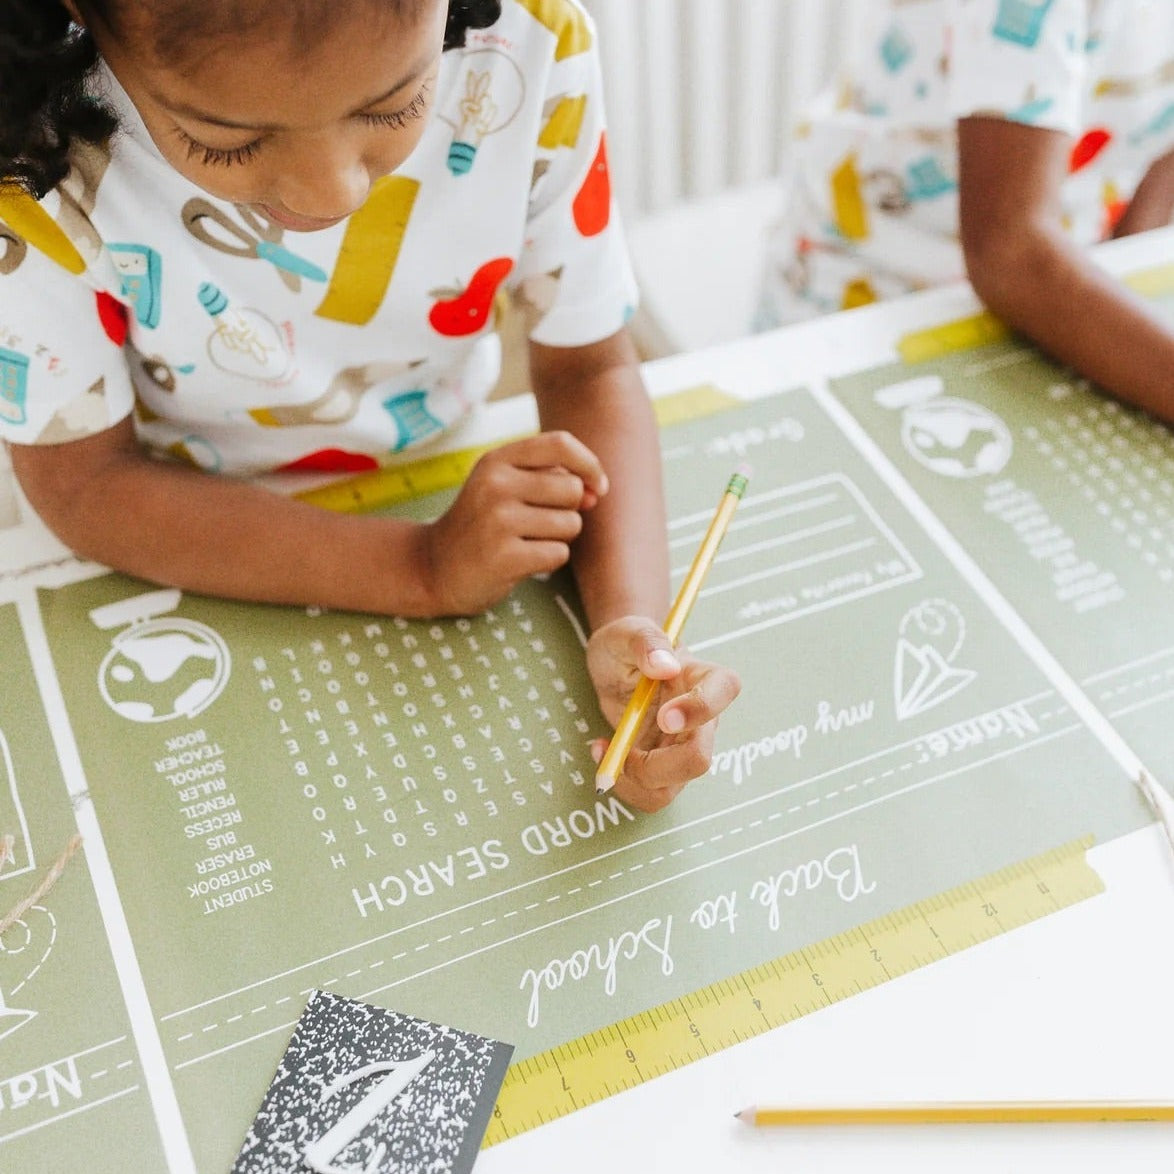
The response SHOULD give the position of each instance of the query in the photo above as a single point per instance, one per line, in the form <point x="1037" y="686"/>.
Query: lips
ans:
<point x="295" y="223"/>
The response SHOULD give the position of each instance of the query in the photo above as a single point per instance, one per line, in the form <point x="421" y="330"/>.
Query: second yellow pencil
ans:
<point x="959" y="1113"/>
<point x="624" y="736"/>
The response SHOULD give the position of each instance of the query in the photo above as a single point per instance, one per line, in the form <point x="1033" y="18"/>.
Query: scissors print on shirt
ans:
<point x="253" y="237"/>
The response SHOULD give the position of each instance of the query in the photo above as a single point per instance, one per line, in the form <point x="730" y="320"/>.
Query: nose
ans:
<point x="325" y="180"/>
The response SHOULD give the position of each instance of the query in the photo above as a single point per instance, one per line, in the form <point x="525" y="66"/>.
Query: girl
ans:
<point x="248" y="236"/>
<point x="994" y="139"/>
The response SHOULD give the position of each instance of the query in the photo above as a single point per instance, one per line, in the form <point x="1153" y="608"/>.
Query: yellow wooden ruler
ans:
<point x="625" y="1054"/>
<point x="979" y="329"/>
<point x="395" y="483"/>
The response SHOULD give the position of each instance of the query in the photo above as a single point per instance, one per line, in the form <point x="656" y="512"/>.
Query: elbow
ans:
<point x="1011" y="266"/>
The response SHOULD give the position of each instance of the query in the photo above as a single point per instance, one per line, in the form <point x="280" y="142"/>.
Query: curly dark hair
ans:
<point x="46" y="60"/>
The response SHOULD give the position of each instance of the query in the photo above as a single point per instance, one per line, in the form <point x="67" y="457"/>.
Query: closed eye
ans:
<point x="218" y="156"/>
<point x="405" y="114"/>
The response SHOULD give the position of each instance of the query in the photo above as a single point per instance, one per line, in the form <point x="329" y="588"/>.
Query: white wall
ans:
<point x="702" y="93"/>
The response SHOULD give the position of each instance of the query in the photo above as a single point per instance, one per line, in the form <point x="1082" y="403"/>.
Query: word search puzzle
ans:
<point x="929" y="613"/>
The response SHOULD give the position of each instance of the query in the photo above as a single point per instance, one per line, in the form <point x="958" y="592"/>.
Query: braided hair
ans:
<point x="45" y="64"/>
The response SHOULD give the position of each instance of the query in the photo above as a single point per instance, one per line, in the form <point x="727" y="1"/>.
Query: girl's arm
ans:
<point x="621" y="566"/>
<point x="515" y="516"/>
<point x="596" y="392"/>
<point x="1027" y="270"/>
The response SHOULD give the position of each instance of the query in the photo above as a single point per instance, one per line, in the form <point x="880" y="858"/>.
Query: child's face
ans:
<point x="299" y="131"/>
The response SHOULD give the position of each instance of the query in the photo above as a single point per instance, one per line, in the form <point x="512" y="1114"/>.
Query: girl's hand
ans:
<point x="515" y="516"/>
<point x="676" y="743"/>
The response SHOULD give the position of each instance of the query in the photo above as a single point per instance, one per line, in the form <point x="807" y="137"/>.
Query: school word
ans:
<point x="1077" y="581"/>
<point x="600" y="960"/>
<point x="840" y="869"/>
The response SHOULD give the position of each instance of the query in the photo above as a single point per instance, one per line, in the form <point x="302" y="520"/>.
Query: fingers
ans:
<point x="714" y="690"/>
<point x="562" y="470"/>
<point x="679" y="747"/>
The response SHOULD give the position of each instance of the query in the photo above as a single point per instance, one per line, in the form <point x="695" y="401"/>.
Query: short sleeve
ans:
<point x="574" y="278"/>
<point x="1019" y="59"/>
<point x="63" y="374"/>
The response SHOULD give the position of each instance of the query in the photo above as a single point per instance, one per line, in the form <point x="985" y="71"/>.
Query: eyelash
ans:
<point x="219" y="157"/>
<point x="400" y="118"/>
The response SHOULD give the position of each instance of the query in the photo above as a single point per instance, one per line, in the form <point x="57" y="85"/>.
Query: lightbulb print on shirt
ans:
<point x="253" y="237"/>
<point x="486" y="101"/>
<point x="244" y="341"/>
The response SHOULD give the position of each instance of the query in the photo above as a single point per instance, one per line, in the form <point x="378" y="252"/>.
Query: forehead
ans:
<point x="269" y="68"/>
<point x="173" y="30"/>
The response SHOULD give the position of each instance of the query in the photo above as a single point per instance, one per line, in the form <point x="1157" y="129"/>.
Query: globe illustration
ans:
<point x="164" y="669"/>
<point x="956" y="438"/>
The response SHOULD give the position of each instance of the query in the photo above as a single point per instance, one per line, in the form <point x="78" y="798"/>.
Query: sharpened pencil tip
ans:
<point x="603" y="783"/>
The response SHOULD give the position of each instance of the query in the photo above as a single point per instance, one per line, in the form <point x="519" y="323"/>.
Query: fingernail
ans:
<point x="663" y="659"/>
<point x="672" y="722"/>
<point x="597" y="748"/>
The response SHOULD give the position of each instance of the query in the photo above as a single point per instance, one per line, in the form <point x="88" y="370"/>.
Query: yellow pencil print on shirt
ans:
<point x="30" y="221"/>
<point x="1131" y="87"/>
<point x="850" y="211"/>
<point x="565" y="21"/>
<point x="563" y="123"/>
<point x="369" y="251"/>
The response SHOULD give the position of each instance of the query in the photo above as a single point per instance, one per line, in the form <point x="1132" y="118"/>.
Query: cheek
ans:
<point x="386" y="150"/>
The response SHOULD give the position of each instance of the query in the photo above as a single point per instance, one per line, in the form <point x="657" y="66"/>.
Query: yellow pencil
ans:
<point x="622" y="740"/>
<point x="960" y="1113"/>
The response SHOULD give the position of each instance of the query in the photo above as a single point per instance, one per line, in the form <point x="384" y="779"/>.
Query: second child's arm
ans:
<point x="1027" y="270"/>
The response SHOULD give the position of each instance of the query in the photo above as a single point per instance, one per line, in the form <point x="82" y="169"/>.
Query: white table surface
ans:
<point x="1079" y="1005"/>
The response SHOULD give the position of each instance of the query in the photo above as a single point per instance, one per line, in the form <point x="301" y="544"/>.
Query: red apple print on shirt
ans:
<point x="466" y="311"/>
<point x="1088" y="147"/>
<point x="592" y="206"/>
<point x="112" y="315"/>
<point x="331" y="460"/>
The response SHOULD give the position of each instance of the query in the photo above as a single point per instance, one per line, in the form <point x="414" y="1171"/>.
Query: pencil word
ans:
<point x="602" y="960"/>
<point x="739" y="760"/>
<point x="840" y="868"/>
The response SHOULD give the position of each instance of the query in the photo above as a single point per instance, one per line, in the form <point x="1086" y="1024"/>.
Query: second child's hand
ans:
<point x="515" y="516"/>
